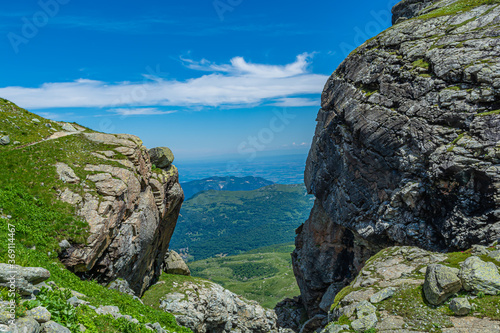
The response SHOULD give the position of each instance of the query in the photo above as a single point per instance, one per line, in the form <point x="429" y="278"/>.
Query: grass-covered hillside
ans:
<point x="264" y="275"/>
<point x="29" y="187"/>
<point x="227" y="223"/>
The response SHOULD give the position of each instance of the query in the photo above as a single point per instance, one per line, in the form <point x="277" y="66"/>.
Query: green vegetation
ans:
<point x="264" y="275"/>
<point x="227" y="223"/>
<point x="167" y="284"/>
<point x="421" y="63"/>
<point x="19" y="125"/>
<point x="409" y="303"/>
<point x="489" y="113"/>
<point x="28" y="189"/>
<point x="457" y="6"/>
<point x="368" y="90"/>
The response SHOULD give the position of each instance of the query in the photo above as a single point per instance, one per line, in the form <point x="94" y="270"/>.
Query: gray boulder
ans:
<point x="122" y="286"/>
<point x="40" y="314"/>
<point x="334" y="328"/>
<point x="495" y="255"/>
<point x="479" y="250"/>
<point x="69" y="128"/>
<point x="162" y="157"/>
<point x="382" y="295"/>
<point x="75" y="301"/>
<point x="440" y="283"/>
<point x="4" y="140"/>
<point x="66" y="174"/>
<point x="53" y="327"/>
<point x="204" y="307"/>
<point x="367" y="317"/>
<point x="479" y="276"/>
<point x="25" y="277"/>
<point x="26" y="325"/>
<point x="173" y="264"/>
<point x="460" y="306"/>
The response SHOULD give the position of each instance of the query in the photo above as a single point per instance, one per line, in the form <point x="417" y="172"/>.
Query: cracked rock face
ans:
<point x="407" y="145"/>
<point x="207" y="307"/>
<point x="131" y="212"/>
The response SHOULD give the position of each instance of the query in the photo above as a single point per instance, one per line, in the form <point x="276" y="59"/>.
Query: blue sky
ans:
<point x="205" y="78"/>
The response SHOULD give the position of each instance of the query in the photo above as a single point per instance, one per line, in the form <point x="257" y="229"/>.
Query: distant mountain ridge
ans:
<point x="229" y="183"/>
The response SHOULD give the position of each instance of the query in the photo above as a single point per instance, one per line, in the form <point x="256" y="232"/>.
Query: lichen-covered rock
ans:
<point x="382" y="295"/>
<point x="207" y="307"/>
<point x="26" y="325"/>
<point x="334" y="328"/>
<point x="479" y="276"/>
<point x="122" y="286"/>
<point x="66" y="174"/>
<point x="162" y="157"/>
<point x="53" y="327"/>
<point x="173" y="264"/>
<point x="40" y="314"/>
<point x="495" y="255"/>
<point x="367" y="317"/>
<point x="406" y="148"/>
<point x="69" y="128"/>
<point x="460" y="306"/>
<point x="131" y="211"/>
<point x="440" y="283"/>
<point x="4" y="140"/>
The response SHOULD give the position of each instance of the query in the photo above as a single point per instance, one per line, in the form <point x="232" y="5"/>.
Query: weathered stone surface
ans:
<point x="4" y="140"/>
<point x="409" y="8"/>
<point x="334" y="328"/>
<point x="122" y="286"/>
<point x="53" y="327"/>
<point x="162" y="157"/>
<point x="207" y="307"/>
<point x="460" y="306"/>
<point x="40" y="314"/>
<point x="26" y="325"/>
<point x="479" y="276"/>
<point x="66" y="174"/>
<point x="76" y="302"/>
<point x="406" y="148"/>
<point x="440" y="283"/>
<point x="316" y="322"/>
<point x="25" y="277"/>
<point x="131" y="212"/>
<point x="173" y="264"/>
<point x="69" y="128"/>
<point x="495" y="255"/>
<point x="290" y="313"/>
<point x="383" y="294"/>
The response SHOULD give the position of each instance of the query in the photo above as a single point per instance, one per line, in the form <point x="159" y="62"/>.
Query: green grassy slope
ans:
<point x="28" y="189"/>
<point x="264" y="275"/>
<point x="228" y="223"/>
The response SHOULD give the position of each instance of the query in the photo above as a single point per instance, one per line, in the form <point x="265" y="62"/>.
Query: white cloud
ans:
<point x="139" y="111"/>
<point x="236" y="84"/>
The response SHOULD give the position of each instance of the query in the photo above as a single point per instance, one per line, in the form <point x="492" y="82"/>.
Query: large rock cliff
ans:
<point x="131" y="209"/>
<point x="407" y="145"/>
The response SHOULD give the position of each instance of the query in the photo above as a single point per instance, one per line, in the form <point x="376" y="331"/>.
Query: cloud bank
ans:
<point x="238" y="83"/>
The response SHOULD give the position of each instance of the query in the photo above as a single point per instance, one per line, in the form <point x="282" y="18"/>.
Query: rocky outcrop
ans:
<point x="173" y="264"/>
<point x="131" y="211"/>
<point x="389" y="295"/>
<point x="407" y="145"/>
<point x="204" y="306"/>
